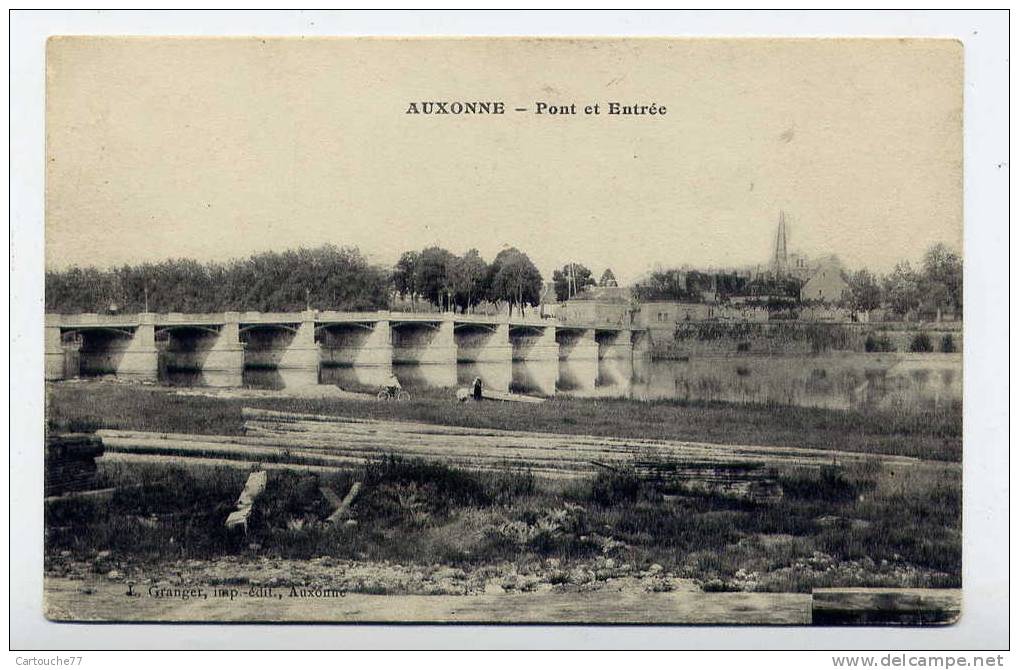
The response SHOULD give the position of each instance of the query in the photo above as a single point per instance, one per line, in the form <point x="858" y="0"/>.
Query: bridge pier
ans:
<point x="227" y="351"/>
<point x="614" y="345"/>
<point x="487" y="351"/>
<point x="640" y="343"/>
<point x="577" y="344"/>
<point x="534" y="343"/>
<point x="53" y="353"/>
<point x="484" y="344"/>
<point x="357" y="345"/>
<point x="425" y="343"/>
<point x="140" y="358"/>
<point x="302" y="352"/>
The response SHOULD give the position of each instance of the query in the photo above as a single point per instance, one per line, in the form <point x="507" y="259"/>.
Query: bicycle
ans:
<point x="393" y="394"/>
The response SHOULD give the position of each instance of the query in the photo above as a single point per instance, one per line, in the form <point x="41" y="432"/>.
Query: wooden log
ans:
<point x="275" y="445"/>
<point x="252" y="412"/>
<point x="301" y="452"/>
<point x="95" y="494"/>
<point x="353" y="464"/>
<point x="253" y="488"/>
<point x="335" y="456"/>
<point x="868" y="606"/>
<point x="331" y="497"/>
<point x="464" y="395"/>
<point x="344" y="506"/>
<point x="199" y="461"/>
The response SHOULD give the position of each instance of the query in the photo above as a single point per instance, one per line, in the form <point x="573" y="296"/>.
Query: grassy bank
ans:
<point x="863" y="524"/>
<point x="842" y="526"/>
<point x="928" y="434"/>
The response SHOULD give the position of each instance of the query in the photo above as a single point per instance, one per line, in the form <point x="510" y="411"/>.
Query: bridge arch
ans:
<point x="338" y="325"/>
<point x="256" y="327"/>
<point x="83" y="331"/>
<point x="186" y="327"/>
<point x="468" y="326"/>
<point x="431" y="325"/>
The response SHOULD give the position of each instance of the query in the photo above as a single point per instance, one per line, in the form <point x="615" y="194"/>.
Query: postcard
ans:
<point x="504" y="330"/>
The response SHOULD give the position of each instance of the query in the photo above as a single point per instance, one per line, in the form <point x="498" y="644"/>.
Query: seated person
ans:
<point x="392" y="384"/>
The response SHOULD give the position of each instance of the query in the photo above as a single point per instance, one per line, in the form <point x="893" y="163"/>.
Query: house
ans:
<point x="827" y="283"/>
<point x="598" y="304"/>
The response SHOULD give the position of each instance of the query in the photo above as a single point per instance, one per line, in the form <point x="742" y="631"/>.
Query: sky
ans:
<point x="218" y="148"/>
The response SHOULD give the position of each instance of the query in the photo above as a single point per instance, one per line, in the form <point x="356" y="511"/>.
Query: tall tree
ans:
<point x="608" y="278"/>
<point x="666" y="285"/>
<point x="517" y="280"/>
<point x="405" y="275"/>
<point x="572" y="279"/>
<point x="941" y="278"/>
<point x="433" y="276"/>
<point x="864" y="291"/>
<point x="902" y="288"/>
<point x="466" y="277"/>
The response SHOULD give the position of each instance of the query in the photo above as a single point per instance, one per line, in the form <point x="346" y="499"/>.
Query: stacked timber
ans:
<point x="70" y="464"/>
<point x="379" y="435"/>
<point x="750" y="481"/>
<point x="314" y="442"/>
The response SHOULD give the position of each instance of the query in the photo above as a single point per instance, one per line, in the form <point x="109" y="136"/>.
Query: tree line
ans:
<point x="936" y="285"/>
<point x="450" y="282"/>
<point x="329" y="277"/>
<point x="326" y="277"/>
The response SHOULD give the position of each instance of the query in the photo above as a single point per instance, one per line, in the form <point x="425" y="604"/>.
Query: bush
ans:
<point x="879" y="343"/>
<point x="453" y="486"/>
<point x="921" y="343"/>
<point x="948" y="344"/>
<point x="831" y="484"/>
<point x="609" y="488"/>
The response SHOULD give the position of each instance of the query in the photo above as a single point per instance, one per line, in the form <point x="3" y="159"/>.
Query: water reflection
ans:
<point x="279" y="379"/>
<point x="836" y="381"/>
<point x="496" y="376"/>
<point x="435" y="375"/>
<point x="534" y="378"/>
<point x="209" y="378"/>
<point x="577" y="377"/>
<point x="359" y="379"/>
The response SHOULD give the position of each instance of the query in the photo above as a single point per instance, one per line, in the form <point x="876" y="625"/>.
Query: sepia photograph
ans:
<point x="518" y="330"/>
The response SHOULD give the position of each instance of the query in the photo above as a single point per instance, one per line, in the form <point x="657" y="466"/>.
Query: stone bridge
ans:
<point x="139" y="345"/>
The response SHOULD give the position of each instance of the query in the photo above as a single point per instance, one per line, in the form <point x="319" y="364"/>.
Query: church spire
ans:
<point x="780" y="264"/>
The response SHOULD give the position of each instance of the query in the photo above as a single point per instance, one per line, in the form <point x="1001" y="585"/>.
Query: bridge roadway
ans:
<point x="139" y="345"/>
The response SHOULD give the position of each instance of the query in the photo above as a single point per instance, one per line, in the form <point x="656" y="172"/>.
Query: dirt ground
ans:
<point x="624" y="600"/>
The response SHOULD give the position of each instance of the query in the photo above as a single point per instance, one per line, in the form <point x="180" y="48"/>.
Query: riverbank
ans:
<point x="719" y="338"/>
<point x="482" y="538"/>
<point x="428" y="529"/>
<point x="929" y="434"/>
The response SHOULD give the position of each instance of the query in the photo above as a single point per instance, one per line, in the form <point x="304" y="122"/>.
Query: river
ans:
<point x="835" y="381"/>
